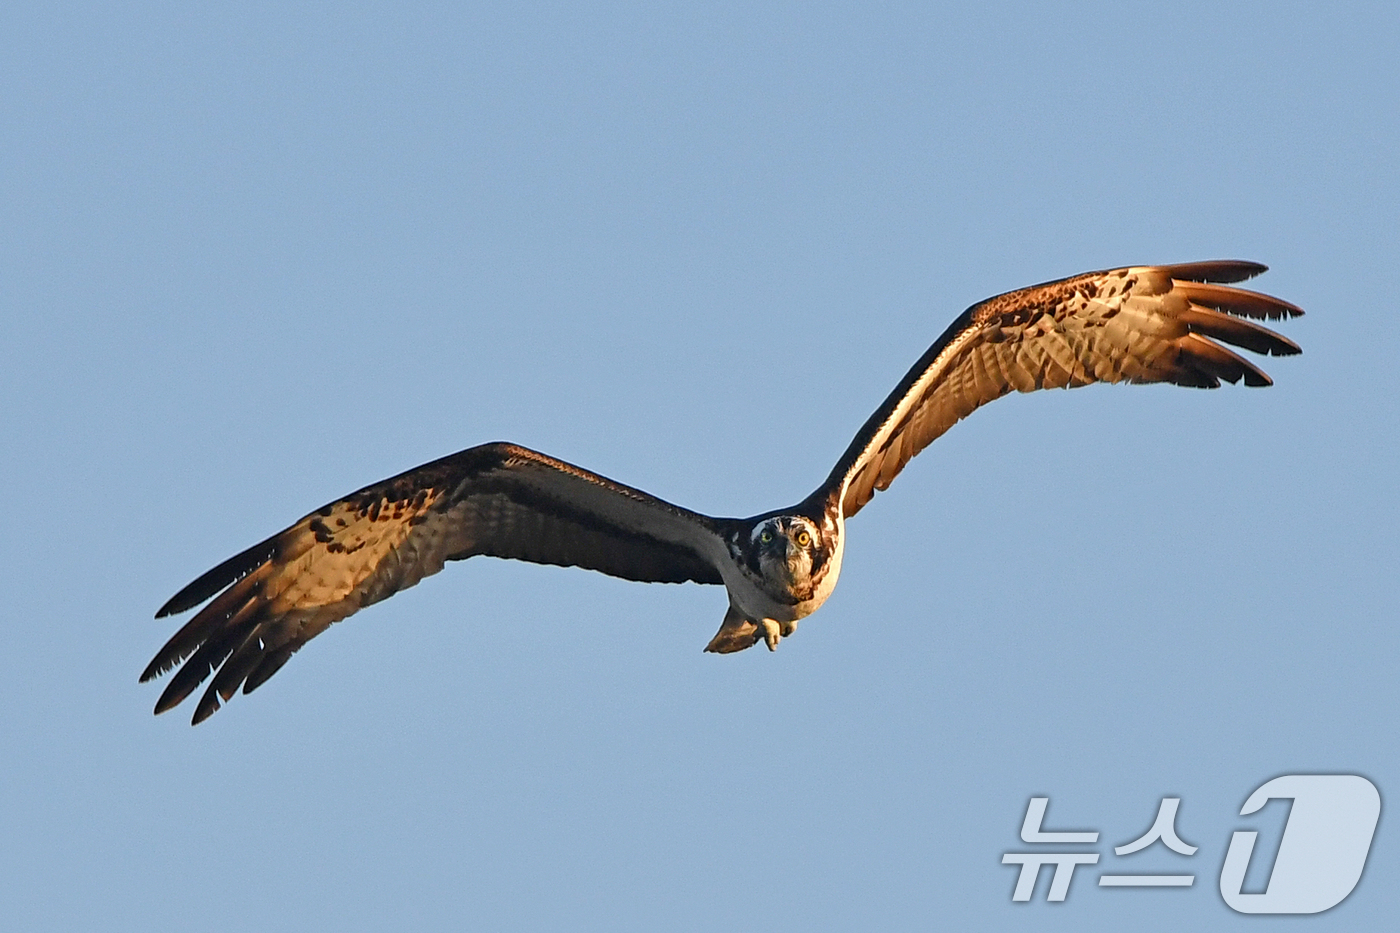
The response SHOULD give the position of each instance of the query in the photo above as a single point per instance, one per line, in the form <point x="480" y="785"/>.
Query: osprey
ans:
<point x="1137" y="324"/>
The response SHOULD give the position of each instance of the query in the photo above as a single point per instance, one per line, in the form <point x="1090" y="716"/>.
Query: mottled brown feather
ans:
<point x="499" y="500"/>
<point x="1139" y="324"/>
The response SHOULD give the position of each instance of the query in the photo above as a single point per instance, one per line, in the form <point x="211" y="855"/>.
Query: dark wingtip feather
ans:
<point x="230" y="571"/>
<point x="180" y="646"/>
<point x="154" y="670"/>
<point x="172" y="698"/>
<point x="1237" y="301"/>
<point x="215" y="647"/>
<point x="1219" y="270"/>
<point x="271" y="663"/>
<point x="208" y="705"/>
<point x="205" y="624"/>
<point x="1238" y="331"/>
<point x="1218" y="362"/>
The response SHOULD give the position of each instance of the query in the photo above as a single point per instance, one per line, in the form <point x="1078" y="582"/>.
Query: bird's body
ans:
<point x="780" y="569"/>
<point x="1139" y="324"/>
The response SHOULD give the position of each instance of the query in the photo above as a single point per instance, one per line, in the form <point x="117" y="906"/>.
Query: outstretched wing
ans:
<point x="497" y="499"/>
<point x="1140" y="324"/>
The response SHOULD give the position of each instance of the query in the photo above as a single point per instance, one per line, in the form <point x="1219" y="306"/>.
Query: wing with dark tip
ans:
<point x="498" y="500"/>
<point x="1140" y="324"/>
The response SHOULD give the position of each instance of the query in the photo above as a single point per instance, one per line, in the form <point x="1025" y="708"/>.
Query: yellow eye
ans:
<point x="803" y="538"/>
<point x="766" y="537"/>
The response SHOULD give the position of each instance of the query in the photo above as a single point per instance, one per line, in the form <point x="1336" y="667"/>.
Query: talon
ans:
<point x="787" y="628"/>
<point x="772" y="634"/>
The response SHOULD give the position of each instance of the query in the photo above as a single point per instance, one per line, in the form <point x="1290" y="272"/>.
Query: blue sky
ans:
<point x="253" y="259"/>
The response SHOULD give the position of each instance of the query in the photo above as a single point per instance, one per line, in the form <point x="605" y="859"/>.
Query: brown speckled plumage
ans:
<point x="1139" y="324"/>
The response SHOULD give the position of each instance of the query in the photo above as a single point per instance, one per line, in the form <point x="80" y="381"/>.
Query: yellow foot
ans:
<point x="772" y="633"/>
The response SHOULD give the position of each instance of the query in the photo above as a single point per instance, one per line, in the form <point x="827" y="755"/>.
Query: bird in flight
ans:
<point x="1137" y="324"/>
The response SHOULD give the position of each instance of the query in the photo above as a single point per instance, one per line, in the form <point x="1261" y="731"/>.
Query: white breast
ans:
<point x="751" y="599"/>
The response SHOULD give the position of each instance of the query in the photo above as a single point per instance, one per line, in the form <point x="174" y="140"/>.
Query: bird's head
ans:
<point x="786" y="548"/>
